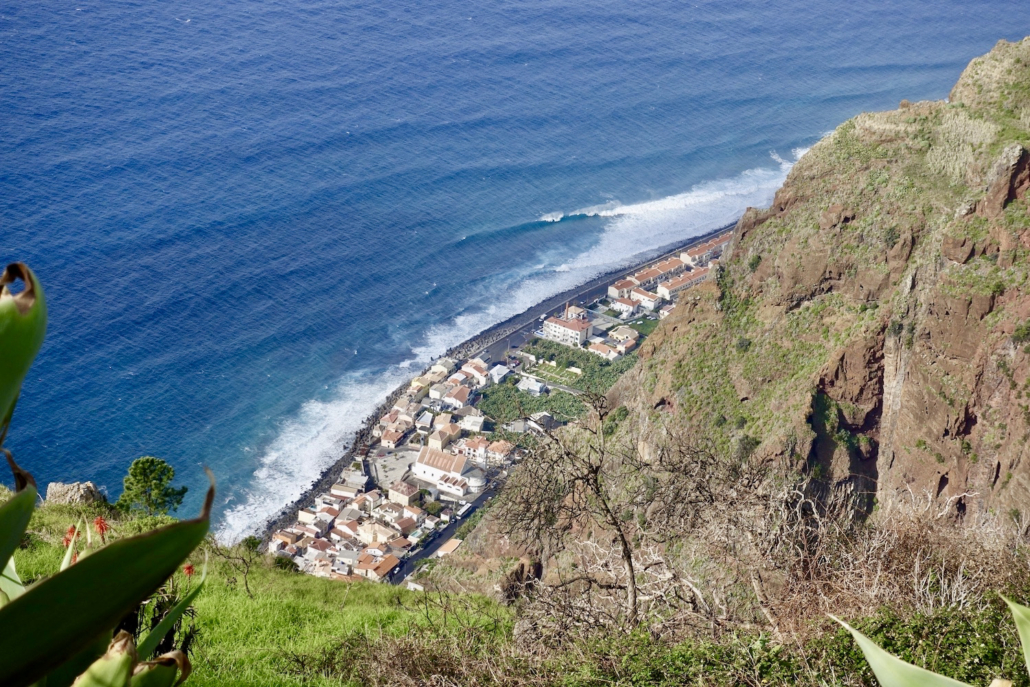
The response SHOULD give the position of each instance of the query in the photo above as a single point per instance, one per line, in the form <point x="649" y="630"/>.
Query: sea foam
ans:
<point x="321" y="431"/>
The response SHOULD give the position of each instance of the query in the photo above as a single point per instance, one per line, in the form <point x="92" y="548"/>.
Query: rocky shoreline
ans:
<point x="466" y="349"/>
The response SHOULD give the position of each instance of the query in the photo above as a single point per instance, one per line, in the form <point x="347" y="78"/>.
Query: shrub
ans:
<point x="1021" y="333"/>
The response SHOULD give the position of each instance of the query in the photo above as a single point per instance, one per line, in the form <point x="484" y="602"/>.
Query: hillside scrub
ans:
<point x="860" y="386"/>
<point x="298" y="629"/>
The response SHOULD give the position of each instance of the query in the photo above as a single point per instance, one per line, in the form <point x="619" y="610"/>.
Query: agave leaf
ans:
<point x="10" y="583"/>
<point x="161" y="671"/>
<point x="70" y="551"/>
<point x="16" y="513"/>
<point x="114" y="668"/>
<point x="1021" y="614"/>
<point x="58" y="617"/>
<point x="149" y="643"/>
<point x="891" y="671"/>
<point x="22" y="327"/>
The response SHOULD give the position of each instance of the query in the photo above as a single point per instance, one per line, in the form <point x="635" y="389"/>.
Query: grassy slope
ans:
<point x="243" y="640"/>
<point x="246" y="641"/>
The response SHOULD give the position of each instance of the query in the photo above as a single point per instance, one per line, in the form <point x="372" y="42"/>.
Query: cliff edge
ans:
<point x="872" y="327"/>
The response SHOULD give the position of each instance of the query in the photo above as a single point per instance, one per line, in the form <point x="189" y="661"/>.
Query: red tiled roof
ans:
<point x="575" y="325"/>
<point x="403" y="488"/>
<point x="441" y="461"/>
<point x="388" y="563"/>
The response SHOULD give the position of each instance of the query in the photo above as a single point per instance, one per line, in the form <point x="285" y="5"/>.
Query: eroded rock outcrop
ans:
<point x="76" y="492"/>
<point x="885" y="303"/>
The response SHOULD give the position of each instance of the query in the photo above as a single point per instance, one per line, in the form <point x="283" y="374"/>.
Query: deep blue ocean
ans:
<point x="254" y="219"/>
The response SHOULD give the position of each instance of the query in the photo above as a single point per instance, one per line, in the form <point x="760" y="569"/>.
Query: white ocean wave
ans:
<point x="303" y="448"/>
<point x="321" y="430"/>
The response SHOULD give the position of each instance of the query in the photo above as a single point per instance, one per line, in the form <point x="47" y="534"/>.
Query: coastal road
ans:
<point x="408" y="565"/>
<point x="496" y="351"/>
<point x="596" y="288"/>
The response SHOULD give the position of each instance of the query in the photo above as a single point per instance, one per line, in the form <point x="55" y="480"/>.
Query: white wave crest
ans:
<point x="319" y="433"/>
<point x="305" y="445"/>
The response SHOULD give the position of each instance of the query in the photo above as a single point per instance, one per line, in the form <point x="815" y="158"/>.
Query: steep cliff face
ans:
<point x="871" y="326"/>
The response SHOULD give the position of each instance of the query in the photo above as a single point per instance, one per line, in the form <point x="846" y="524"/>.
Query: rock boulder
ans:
<point x="76" y="492"/>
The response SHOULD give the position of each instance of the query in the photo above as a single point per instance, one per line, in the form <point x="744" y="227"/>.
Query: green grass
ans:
<point x="244" y="641"/>
<point x="644" y="326"/>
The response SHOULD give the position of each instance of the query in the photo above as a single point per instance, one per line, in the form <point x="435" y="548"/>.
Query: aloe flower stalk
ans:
<point x="101" y="526"/>
<point x="22" y="327"/>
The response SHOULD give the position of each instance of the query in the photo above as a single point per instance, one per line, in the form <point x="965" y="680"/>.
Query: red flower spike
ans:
<point x="101" y="527"/>
<point x="188" y="570"/>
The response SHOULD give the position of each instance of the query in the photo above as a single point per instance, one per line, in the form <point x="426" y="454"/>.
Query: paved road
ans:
<point x="408" y="565"/>
<point x="496" y="350"/>
<point x="553" y="385"/>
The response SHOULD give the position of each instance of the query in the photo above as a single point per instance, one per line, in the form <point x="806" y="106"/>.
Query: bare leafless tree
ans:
<point x="572" y="482"/>
<point x="612" y="503"/>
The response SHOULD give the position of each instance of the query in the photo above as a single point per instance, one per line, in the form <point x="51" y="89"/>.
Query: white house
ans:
<point x="604" y="351"/>
<point x="392" y="439"/>
<point x="424" y="422"/>
<point x="472" y="423"/>
<point x="443" y="366"/>
<point x="499" y="450"/>
<point x="475" y="448"/>
<point x="623" y="333"/>
<point x="646" y="278"/>
<point x="498" y="373"/>
<point x="476" y="368"/>
<point x="684" y="281"/>
<point x="621" y="288"/>
<point x="438" y="391"/>
<point x="533" y="387"/>
<point x="458" y="397"/>
<point x="570" y="332"/>
<point x="624" y="305"/>
<point x="645" y="298"/>
<point x="707" y="251"/>
<point x="447" y="471"/>
<point x="624" y="347"/>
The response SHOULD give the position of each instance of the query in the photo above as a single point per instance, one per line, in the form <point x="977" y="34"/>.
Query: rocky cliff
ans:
<point x="872" y="327"/>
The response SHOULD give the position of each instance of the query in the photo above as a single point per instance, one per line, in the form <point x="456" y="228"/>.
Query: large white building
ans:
<point x="451" y="474"/>
<point x="569" y="330"/>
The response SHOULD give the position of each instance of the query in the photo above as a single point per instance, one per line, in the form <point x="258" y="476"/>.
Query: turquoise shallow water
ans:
<point x="256" y="218"/>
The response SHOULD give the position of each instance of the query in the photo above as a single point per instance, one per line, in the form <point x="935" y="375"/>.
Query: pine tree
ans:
<point x="148" y="488"/>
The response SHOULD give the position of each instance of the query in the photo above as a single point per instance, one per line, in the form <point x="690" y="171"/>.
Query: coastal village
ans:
<point x="437" y="457"/>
